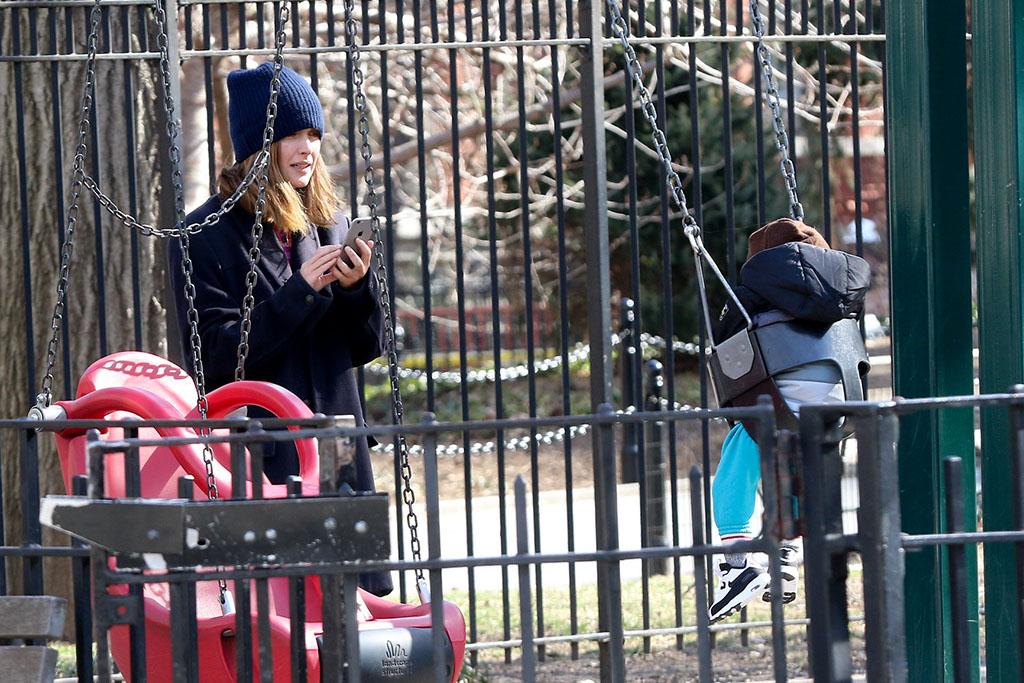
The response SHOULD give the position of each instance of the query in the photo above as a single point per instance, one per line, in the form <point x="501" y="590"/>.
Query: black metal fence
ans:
<point x="801" y="476"/>
<point x="475" y="114"/>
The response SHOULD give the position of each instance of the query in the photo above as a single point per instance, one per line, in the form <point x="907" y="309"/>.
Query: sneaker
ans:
<point x="737" y="586"/>
<point x="789" y="556"/>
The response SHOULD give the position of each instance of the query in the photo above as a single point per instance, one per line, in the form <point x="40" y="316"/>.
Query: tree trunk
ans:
<point x="115" y="293"/>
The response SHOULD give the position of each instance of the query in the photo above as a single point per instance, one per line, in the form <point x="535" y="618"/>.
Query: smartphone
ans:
<point x="359" y="228"/>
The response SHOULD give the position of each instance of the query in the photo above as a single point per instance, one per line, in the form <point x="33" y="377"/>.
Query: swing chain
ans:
<point x="690" y="228"/>
<point x="256" y="234"/>
<point x="796" y="209"/>
<point x="650" y="112"/>
<point x="381" y="278"/>
<point x="148" y="230"/>
<point x="45" y="396"/>
<point x="173" y="132"/>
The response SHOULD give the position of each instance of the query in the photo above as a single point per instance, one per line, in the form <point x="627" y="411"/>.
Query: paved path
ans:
<point x="554" y="537"/>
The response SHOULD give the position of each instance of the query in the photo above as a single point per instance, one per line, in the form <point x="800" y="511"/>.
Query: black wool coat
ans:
<point x="803" y="281"/>
<point x="303" y="340"/>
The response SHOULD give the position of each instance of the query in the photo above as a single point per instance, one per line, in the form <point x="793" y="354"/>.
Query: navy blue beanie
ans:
<point x="298" y="107"/>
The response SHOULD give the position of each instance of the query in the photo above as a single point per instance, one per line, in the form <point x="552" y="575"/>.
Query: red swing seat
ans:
<point x="134" y="384"/>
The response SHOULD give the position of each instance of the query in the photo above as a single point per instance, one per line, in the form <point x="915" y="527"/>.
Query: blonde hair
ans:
<point x="287" y="209"/>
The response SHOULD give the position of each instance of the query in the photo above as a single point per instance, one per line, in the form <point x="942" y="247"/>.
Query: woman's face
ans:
<point x="297" y="154"/>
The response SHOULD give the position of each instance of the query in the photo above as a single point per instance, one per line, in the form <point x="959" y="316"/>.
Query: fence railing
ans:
<point x="801" y="476"/>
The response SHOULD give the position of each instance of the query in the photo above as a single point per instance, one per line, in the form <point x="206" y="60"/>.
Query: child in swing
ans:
<point x="790" y="271"/>
<point x="315" y="316"/>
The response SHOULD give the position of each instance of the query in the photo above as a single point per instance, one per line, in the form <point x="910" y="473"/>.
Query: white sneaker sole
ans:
<point x="742" y="599"/>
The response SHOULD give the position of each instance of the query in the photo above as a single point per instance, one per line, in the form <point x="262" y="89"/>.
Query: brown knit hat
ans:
<point x="782" y="231"/>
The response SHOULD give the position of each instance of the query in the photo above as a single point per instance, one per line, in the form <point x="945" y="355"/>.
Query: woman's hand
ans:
<point x="349" y="275"/>
<point x="318" y="271"/>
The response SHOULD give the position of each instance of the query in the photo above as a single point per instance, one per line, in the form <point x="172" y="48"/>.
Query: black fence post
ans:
<point x="878" y="524"/>
<point x="825" y="566"/>
<point x="654" y="465"/>
<point x="528" y="667"/>
<point x="81" y="587"/>
<point x="952" y="470"/>
<point x="629" y="459"/>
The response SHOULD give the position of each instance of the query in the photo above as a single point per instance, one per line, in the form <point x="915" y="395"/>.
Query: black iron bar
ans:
<point x="522" y="138"/>
<point x="23" y="181"/>
<point x="137" y="630"/>
<point x="826" y="189"/>
<point x="133" y="202"/>
<point x="1017" y="472"/>
<point x="773" y="502"/>
<point x="389" y="246"/>
<point x="762" y="189"/>
<point x="243" y="630"/>
<point x="438" y="637"/>
<point x="635" y="360"/>
<point x="878" y="524"/>
<point x="31" y="529"/>
<point x="730" y="208"/>
<point x="81" y="592"/>
<point x="58" y="180"/>
<point x="700" y="580"/>
<point x="350" y="129"/>
<point x="667" y="304"/>
<point x="952" y="467"/>
<point x="98" y="249"/>
<point x="211" y="148"/>
<point x="3" y="541"/>
<point x="352" y="669"/>
<point x="297" y="605"/>
<point x="334" y="650"/>
<point x="460" y="295"/>
<point x="421" y="161"/>
<point x="563" y="313"/>
<point x="183" y="623"/>
<point x="495" y="287"/>
<point x="528" y="660"/>
<point x="243" y="39"/>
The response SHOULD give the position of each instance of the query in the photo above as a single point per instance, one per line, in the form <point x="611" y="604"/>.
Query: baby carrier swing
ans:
<point x="134" y="384"/>
<point x="744" y="366"/>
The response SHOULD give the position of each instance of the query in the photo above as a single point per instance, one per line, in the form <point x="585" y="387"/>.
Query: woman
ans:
<point x="315" y="316"/>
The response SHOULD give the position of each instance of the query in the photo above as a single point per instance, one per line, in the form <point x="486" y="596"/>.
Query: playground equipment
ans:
<point x="140" y="385"/>
<point x="134" y="384"/>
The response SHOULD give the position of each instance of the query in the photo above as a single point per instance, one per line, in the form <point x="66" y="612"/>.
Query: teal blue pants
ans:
<point x="734" y="488"/>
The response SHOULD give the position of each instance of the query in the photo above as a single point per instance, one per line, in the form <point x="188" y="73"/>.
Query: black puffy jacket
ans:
<point x="801" y="280"/>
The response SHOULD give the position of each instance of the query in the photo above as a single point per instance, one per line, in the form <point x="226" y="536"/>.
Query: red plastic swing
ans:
<point x="127" y="384"/>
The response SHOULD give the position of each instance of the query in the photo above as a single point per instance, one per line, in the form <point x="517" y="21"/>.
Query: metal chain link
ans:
<point x="675" y="183"/>
<point x="381" y="278"/>
<point x="132" y="223"/>
<point x="256" y="234"/>
<point x="177" y="181"/>
<point x="45" y="396"/>
<point x="796" y="209"/>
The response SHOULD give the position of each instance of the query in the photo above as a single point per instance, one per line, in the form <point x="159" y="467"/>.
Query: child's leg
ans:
<point x="734" y="488"/>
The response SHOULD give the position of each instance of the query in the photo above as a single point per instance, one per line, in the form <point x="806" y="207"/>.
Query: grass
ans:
<point x="734" y="660"/>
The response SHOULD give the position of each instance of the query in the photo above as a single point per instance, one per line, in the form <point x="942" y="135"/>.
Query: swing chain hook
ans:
<point x="796" y="209"/>
<point x="381" y="279"/>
